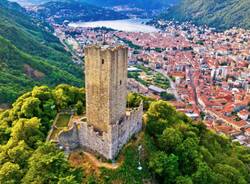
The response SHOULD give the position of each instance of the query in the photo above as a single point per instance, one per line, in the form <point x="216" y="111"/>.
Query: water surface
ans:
<point x="128" y="25"/>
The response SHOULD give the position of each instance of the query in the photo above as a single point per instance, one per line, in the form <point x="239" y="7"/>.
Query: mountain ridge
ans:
<point x="30" y="54"/>
<point x="219" y="14"/>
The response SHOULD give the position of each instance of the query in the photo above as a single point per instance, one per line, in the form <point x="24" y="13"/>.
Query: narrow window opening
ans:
<point x="120" y="82"/>
<point x="102" y="61"/>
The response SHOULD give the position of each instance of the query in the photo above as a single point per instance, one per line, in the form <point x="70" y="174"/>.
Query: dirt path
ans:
<point x="99" y="164"/>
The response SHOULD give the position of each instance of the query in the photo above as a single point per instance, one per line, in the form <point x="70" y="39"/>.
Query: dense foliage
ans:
<point x="189" y="153"/>
<point x="30" y="54"/>
<point x="24" y="157"/>
<point x="222" y="14"/>
<point x="174" y="149"/>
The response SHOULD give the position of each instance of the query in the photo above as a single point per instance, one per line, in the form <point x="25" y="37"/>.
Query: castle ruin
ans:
<point x="108" y="124"/>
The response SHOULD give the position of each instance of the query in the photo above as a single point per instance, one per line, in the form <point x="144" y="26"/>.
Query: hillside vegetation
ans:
<point x="220" y="14"/>
<point x="30" y="54"/>
<point x="174" y="149"/>
<point x="24" y="155"/>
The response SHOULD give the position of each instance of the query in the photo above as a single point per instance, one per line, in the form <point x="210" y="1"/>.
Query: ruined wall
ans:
<point x="92" y="140"/>
<point x="122" y="132"/>
<point x="109" y="144"/>
<point x="69" y="139"/>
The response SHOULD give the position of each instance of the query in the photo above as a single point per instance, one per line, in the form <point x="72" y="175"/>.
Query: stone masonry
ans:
<point x="108" y="124"/>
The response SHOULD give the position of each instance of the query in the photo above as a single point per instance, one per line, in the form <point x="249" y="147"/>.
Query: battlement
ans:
<point x="105" y="47"/>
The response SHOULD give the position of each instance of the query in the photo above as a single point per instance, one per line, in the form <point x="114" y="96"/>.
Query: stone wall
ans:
<point x="108" y="144"/>
<point x="69" y="139"/>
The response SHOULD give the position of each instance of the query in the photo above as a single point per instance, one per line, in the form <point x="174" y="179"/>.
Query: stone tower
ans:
<point x="108" y="125"/>
<point x="106" y="85"/>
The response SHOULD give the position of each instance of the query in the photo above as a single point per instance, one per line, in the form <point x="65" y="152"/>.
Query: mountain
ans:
<point x="220" y="14"/>
<point x="30" y="54"/>
<point x="144" y="4"/>
<point x="30" y="2"/>
<point x="74" y="11"/>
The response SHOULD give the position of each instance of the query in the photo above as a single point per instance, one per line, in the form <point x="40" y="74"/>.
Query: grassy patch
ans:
<point x="61" y="123"/>
<point x="63" y="120"/>
<point x="154" y="78"/>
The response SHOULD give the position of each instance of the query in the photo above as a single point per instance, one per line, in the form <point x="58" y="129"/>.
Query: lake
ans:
<point x="128" y="25"/>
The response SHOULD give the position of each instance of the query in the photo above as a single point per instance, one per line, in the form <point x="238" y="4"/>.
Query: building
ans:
<point x="108" y="124"/>
<point x="156" y="89"/>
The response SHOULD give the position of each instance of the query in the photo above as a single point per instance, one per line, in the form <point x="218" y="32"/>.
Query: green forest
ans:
<point x="221" y="14"/>
<point x="175" y="148"/>
<point x="30" y="54"/>
<point x="24" y="155"/>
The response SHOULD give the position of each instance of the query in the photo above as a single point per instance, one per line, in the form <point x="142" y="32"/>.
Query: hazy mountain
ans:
<point x="221" y="14"/>
<point x="145" y="4"/>
<point x="74" y="11"/>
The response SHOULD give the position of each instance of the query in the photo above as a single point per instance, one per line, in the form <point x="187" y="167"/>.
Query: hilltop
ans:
<point x="30" y="54"/>
<point x="215" y="13"/>
<point x="173" y="148"/>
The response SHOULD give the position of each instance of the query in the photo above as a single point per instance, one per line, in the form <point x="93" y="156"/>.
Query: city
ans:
<point x="207" y="72"/>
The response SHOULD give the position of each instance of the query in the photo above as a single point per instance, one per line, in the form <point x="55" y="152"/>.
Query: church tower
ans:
<point x="106" y="85"/>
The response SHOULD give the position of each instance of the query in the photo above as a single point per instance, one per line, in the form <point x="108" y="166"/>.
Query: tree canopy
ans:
<point x="24" y="155"/>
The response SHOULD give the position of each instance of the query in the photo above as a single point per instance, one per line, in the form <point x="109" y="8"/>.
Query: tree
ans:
<point x="48" y="165"/>
<point x="227" y="174"/>
<point x="160" y="115"/>
<point x="162" y="110"/>
<point x="27" y="130"/>
<point x="43" y="93"/>
<point x="155" y="128"/>
<point x="20" y="154"/>
<point x="10" y="173"/>
<point x="133" y="100"/>
<point x="165" y="166"/>
<point x="167" y="96"/>
<point x="204" y="175"/>
<point x="30" y="108"/>
<point x="188" y="153"/>
<point x="67" y="96"/>
<point x="183" y="180"/>
<point x="170" y="139"/>
<point x="79" y="108"/>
